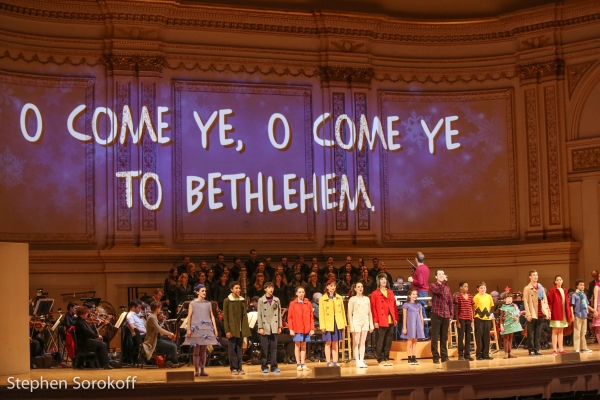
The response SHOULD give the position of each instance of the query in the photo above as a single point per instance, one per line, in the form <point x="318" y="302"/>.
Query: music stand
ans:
<point x="43" y="307"/>
<point x="121" y="319"/>
<point x="56" y="323"/>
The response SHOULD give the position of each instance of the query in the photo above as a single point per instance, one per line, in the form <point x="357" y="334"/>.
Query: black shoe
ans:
<point x="461" y="358"/>
<point x="108" y="367"/>
<point x="436" y="361"/>
<point x="488" y="358"/>
<point x="444" y="359"/>
<point x="389" y="359"/>
<point x="469" y="358"/>
<point x="537" y="353"/>
<point x="532" y="353"/>
<point x="479" y="358"/>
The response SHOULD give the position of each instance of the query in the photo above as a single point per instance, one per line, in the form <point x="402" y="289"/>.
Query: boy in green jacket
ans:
<point x="235" y="319"/>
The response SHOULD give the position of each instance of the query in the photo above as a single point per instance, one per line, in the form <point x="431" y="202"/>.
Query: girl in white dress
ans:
<point x="360" y="321"/>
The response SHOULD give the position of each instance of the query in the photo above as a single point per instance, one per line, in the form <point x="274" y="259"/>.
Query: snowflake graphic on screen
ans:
<point x="413" y="129"/>
<point x="11" y="169"/>
<point x="427" y="182"/>
<point x="411" y="151"/>
<point x="487" y="133"/>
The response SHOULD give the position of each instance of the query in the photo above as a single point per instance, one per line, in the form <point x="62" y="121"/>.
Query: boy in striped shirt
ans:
<point x="463" y="303"/>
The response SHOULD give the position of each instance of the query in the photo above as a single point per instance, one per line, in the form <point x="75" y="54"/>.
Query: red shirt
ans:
<point x="464" y="306"/>
<point x="421" y="278"/>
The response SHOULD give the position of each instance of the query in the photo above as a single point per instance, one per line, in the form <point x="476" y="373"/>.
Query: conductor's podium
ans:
<point x="398" y="350"/>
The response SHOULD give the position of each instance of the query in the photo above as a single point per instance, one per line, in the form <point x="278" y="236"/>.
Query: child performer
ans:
<point x="235" y="319"/>
<point x="579" y="310"/>
<point x="202" y="329"/>
<point x="332" y="320"/>
<point x="413" y="325"/>
<point x="360" y="322"/>
<point x="302" y="326"/>
<point x="464" y="321"/>
<point x="509" y="324"/>
<point x="269" y="325"/>
<point x="560" y="312"/>
<point x="482" y="310"/>
<point x="385" y="318"/>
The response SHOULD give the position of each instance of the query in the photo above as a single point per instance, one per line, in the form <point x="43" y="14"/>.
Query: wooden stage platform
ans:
<point x="498" y="377"/>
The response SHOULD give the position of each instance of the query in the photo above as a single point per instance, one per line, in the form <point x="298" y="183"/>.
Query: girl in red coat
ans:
<point x="560" y="312"/>
<point x="301" y="322"/>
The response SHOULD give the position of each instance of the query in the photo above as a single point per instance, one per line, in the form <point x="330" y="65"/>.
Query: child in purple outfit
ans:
<point x="412" y="326"/>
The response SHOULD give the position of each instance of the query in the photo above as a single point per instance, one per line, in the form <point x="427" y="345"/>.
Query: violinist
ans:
<point x="96" y="322"/>
<point x="36" y="340"/>
<point x="88" y="339"/>
<point x="134" y="321"/>
<point x="70" y="316"/>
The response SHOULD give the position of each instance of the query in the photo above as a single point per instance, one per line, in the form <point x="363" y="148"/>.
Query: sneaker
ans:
<point x="537" y="353"/>
<point x="532" y="353"/>
<point x="479" y="358"/>
<point x="299" y="367"/>
<point x="234" y="372"/>
<point x="305" y="368"/>
<point x="461" y="358"/>
<point x="415" y="362"/>
<point x="505" y="356"/>
<point x="469" y="358"/>
<point x="554" y="353"/>
<point x="444" y="359"/>
<point x="241" y="372"/>
<point x="586" y="351"/>
<point x="388" y="364"/>
<point x="364" y="365"/>
<point x="265" y="370"/>
<point x="336" y="364"/>
<point x="275" y="370"/>
<point x="436" y="361"/>
<point x="488" y="358"/>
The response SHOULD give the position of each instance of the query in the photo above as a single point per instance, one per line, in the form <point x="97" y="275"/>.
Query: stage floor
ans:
<point x="288" y="371"/>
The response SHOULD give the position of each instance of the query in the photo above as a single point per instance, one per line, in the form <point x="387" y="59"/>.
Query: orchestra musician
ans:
<point x="134" y="321"/>
<point x="88" y="339"/>
<point x="152" y="339"/>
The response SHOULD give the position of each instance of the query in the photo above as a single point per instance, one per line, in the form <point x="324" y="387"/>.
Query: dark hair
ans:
<point x="134" y="303"/>
<point x="71" y="304"/>
<point x="232" y="284"/>
<point x="420" y="257"/>
<point x="236" y="258"/>
<point x="380" y="276"/>
<point x="219" y="255"/>
<point x="159" y="290"/>
<point x="268" y="284"/>
<point x="532" y="271"/>
<point x="577" y="282"/>
<point x="184" y="257"/>
<point x="198" y="287"/>
<point x="461" y="284"/>
<point x="412" y="290"/>
<point x="354" y="287"/>
<point x="557" y="276"/>
<point x="155" y="305"/>
<point x="251" y="250"/>
<point x="438" y="270"/>
<point x="81" y="310"/>
<point x="481" y="283"/>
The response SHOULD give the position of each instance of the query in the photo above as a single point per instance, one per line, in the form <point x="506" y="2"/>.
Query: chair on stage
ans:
<point x="217" y="354"/>
<point x="283" y="347"/>
<point x="82" y="354"/>
<point x="345" y="346"/>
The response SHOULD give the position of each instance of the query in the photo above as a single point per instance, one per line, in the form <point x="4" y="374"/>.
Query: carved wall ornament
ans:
<point x="123" y="163"/>
<point x="49" y="60"/>
<point x="535" y="42"/>
<point x="212" y="67"/>
<point x="362" y="162"/>
<point x="533" y="157"/>
<point x="136" y="32"/>
<point x="553" y="156"/>
<point x="348" y="46"/>
<point x="575" y="73"/>
<point x="134" y="62"/>
<point x="181" y="16"/>
<point x="538" y="70"/>
<point x="458" y="78"/>
<point x="346" y="74"/>
<point x="338" y="102"/>
<point x="149" y="159"/>
<point x="586" y="159"/>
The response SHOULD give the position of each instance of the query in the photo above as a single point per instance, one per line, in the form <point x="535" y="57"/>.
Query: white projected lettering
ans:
<point x="286" y="191"/>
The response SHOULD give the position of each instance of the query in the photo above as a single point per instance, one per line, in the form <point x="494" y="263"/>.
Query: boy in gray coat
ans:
<point x="269" y="325"/>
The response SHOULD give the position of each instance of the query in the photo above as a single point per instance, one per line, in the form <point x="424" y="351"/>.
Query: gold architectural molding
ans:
<point x="533" y="157"/>
<point x="575" y="72"/>
<point x="349" y="75"/>
<point x="586" y="159"/>
<point x="363" y="26"/>
<point x="134" y="62"/>
<point x="541" y="69"/>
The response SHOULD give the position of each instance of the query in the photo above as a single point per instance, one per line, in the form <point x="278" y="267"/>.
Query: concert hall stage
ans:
<point x="499" y="377"/>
